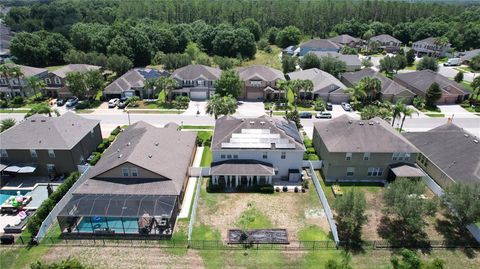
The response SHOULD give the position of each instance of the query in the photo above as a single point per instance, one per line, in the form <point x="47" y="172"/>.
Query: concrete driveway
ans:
<point x="250" y="109"/>
<point x="457" y="111"/>
<point x="195" y="106"/>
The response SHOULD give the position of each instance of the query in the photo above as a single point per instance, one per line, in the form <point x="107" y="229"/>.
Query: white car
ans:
<point x="113" y="102"/>
<point x="346" y="106"/>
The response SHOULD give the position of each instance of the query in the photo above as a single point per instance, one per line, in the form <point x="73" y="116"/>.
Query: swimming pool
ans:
<point x="88" y="225"/>
<point x="5" y="194"/>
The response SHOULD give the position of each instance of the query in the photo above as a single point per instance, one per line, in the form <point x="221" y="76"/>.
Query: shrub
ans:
<point x="111" y="138"/>
<point x="34" y="223"/>
<point x="285" y="188"/>
<point x="18" y="100"/>
<point x="106" y="142"/>
<point x="96" y="158"/>
<point x="82" y="105"/>
<point x="313" y="157"/>
<point x="308" y="142"/>
<point x="3" y="103"/>
<point x="277" y="189"/>
<point x="305" y="184"/>
<point x="305" y="156"/>
<point x="296" y="189"/>
<point x="310" y="150"/>
<point x="266" y="188"/>
<point x="116" y="131"/>
<point x="214" y="188"/>
<point x="419" y="102"/>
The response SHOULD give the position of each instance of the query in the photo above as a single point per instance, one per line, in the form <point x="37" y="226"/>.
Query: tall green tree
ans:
<point x="410" y="55"/>
<point x="288" y="36"/>
<point x="463" y="201"/>
<point x="397" y="110"/>
<point x="406" y="112"/>
<point x="35" y="83"/>
<point x="252" y="26"/>
<point x="310" y="60"/>
<point x="332" y="65"/>
<point x="7" y="73"/>
<point x="433" y="94"/>
<point x="94" y="80"/>
<point x="42" y="108"/>
<point x="119" y="64"/>
<point x="458" y="77"/>
<point x="288" y="63"/>
<point x="17" y="73"/>
<point x="372" y="87"/>
<point x="229" y="83"/>
<point x="428" y="63"/>
<point x="219" y="105"/>
<point x="167" y="84"/>
<point x="76" y="84"/>
<point x="350" y="215"/>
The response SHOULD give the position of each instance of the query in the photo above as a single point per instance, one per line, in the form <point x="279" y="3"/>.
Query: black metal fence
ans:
<point x="223" y="245"/>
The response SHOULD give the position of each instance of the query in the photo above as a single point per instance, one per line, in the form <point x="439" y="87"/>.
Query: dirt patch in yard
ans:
<point x="125" y="257"/>
<point x="291" y="211"/>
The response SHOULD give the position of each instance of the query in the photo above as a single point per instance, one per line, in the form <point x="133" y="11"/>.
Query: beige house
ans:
<point x="367" y="151"/>
<point x="260" y="83"/>
<point x="449" y="154"/>
<point x="56" y="80"/>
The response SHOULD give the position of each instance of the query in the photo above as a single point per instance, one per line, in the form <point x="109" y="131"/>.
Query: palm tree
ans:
<point x="282" y="86"/>
<point x="151" y="84"/>
<point x="296" y="86"/>
<point x="6" y="71"/>
<point x="407" y="112"/>
<point x="475" y="89"/>
<point x="35" y="84"/>
<point x="42" y="108"/>
<point x="167" y="84"/>
<point x="308" y="88"/>
<point x="17" y="73"/>
<point x="219" y="105"/>
<point x="6" y="123"/>
<point x="357" y="93"/>
<point x="371" y="86"/>
<point x="397" y="110"/>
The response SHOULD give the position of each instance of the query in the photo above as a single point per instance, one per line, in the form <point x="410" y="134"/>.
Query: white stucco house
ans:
<point x="255" y="151"/>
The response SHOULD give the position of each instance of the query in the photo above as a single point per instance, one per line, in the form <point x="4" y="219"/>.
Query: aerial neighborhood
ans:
<point x="239" y="134"/>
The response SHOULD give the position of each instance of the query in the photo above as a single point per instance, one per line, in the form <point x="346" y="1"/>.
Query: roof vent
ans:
<point x="243" y="120"/>
<point x="262" y="123"/>
<point x="33" y="121"/>
<point x="43" y="120"/>
<point x="466" y="135"/>
<point x="156" y="144"/>
<point x="128" y="144"/>
<point x="150" y="156"/>
<point x="118" y="150"/>
<point x="475" y="141"/>
<point x="350" y="121"/>
<point x="252" y="123"/>
<point x="120" y="156"/>
<point x="370" y="123"/>
<point x="361" y="123"/>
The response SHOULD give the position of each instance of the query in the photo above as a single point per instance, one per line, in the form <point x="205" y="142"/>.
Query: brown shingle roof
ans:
<point x="260" y="72"/>
<point x="41" y="132"/>
<point x="344" y="134"/>
<point x="197" y="71"/>
<point x="322" y="81"/>
<point x="423" y="79"/>
<point x="388" y="86"/>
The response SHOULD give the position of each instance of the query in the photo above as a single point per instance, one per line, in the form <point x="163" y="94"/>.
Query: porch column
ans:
<point x="236" y="178"/>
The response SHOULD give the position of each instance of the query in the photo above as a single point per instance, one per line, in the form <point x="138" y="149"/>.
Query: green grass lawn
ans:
<point x="252" y="218"/>
<point x="84" y="111"/>
<point x="199" y="127"/>
<point x="8" y="111"/>
<point x="412" y="67"/>
<point x="205" y="232"/>
<point x="206" y="157"/>
<point x="313" y="233"/>
<point x="268" y="59"/>
<point x="435" y="115"/>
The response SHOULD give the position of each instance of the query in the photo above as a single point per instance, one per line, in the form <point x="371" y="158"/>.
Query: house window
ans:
<point x="350" y="171"/>
<point x="235" y="156"/>
<point x="134" y="172"/>
<point x="284" y="155"/>
<point x="256" y="83"/>
<point x="51" y="153"/>
<point x="57" y="80"/>
<point x="4" y="153"/>
<point x="401" y="156"/>
<point x="276" y="170"/>
<point x="222" y="156"/>
<point x="33" y="153"/>
<point x="348" y="156"/>
<point x="50" y="168"/>
<point x="375" y="172"/>
<point x="48" y="81"/>
<point x="229" y="156"/>
<point x="366" y="156"/>
<point x="200" y="82"/>
<point x="264" y="155"/>
<point x="3" y="82"/>
<point x="125" y="172"/>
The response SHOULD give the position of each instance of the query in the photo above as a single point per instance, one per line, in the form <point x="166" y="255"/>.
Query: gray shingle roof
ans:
<point x="29" y="71"/>
<point x="134" y="78"/>
<point x="385" y="38"/>
<point x="429" y="41"/>
<point x="322" y="81"/>
<point x="350" y="60"/>
<point x="242" y="167"/>
<point x="163" y="151"/>
<point x="260" y="72"/>
<point x="344" y="39"/>
<point x="468" y="55"/>
<point x="197" y="71"/>
<point x="452" y="149"/>
<point x="423" y="79"/>
<point x="406" y="170"/>
<point x="41" y="132"/>
<point x="388" y="86"/>
<point x="128" y="186"/>
<point x="227" y="125"/>
<point x="343" y="134"/>
<point x="320" y="44"/>
<point x="62" y="72"/>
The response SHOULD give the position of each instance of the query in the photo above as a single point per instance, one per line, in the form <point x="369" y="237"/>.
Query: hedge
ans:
<point x="116" y="131"/>
<point x="96" y="157"/>
<point x="310" y="150"/>
<point x="35" y="221"/>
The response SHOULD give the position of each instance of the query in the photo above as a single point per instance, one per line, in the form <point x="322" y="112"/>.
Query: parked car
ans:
<point x="305" y="115"/>
<point x="71" y="102"/>
<point x="346" y="106"/>
<point x="453" y="62"/>
<point x="113" y="102"/>
<point x="60" y="102"/>
<point x="329" y="107"/>
<point x="323" y="115"/>
<point x="122" y="103"/>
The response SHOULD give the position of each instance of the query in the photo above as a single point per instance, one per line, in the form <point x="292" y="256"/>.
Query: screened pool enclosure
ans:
<point x="119" y="214"/>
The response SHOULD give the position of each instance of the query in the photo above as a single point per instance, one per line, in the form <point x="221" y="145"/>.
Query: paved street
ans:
<point x="450" y="72"/>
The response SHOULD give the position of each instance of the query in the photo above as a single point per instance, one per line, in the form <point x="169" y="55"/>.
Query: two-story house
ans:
<point x="196" y="81"/>
<point x="132" y="83"/>
<point x="325" y="86"/>
<point x="318" y="45"/>
<point x="48" y="146"/>
<point x="56" y="80"/>
<point x="386" y="42"/>
<point x="420" y="81"/>
<point x="363" y="150"/>
<point x="137" y="187"/>
<point x="347" y="40"/>
<point x="255" y="151"/>
<point x="449" y="154"/>
<point x="12" y="86"/>
<point x="391" y="90"/>
<point x="430" y="47"/>
<point x="260" y="82"/>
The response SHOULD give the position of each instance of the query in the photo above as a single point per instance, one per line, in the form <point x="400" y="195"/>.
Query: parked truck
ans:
<point x="453" y="62"/>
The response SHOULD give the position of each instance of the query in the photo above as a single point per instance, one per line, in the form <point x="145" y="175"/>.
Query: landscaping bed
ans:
<point x="258" y="236"/>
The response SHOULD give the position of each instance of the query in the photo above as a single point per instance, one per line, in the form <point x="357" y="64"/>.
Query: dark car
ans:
<point x="122" y="103"/>
<point x="60" y="102"/>
<point x="305" y="115"/>
<point x="329" y="107"/>
<point x="71" y="102"/>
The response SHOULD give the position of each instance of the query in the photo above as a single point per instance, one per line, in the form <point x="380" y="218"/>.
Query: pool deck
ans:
<point x="25" y="183"/>
<point x="190" y="190"/>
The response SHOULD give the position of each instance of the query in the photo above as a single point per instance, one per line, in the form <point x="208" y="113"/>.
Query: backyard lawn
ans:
<point x="268" y="59"/>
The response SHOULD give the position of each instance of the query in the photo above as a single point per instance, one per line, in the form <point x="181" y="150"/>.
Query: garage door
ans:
<point x="254" y="95"/>
<point x="200" y="95"/>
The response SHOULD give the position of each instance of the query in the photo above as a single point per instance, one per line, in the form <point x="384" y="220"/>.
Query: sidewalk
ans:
<point x="190" y="190"/>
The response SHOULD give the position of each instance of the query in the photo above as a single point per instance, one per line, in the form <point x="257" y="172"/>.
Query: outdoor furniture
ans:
<point x="337" y="191"/>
